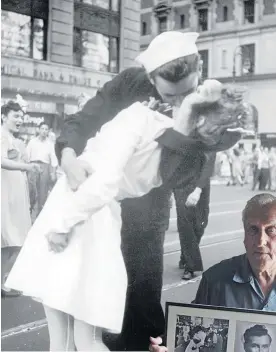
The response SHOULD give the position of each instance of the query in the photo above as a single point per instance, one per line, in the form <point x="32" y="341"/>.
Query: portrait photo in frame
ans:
<point x="198" y="328"/>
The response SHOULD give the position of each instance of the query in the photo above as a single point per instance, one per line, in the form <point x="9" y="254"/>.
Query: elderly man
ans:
<point x="257" y="338"/>
<point x="249" y="280"/>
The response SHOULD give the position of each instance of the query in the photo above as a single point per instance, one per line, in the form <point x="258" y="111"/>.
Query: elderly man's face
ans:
<point x="260" y="237"/>
<point x="258" y="344"/>
<point x="174" y="93"/>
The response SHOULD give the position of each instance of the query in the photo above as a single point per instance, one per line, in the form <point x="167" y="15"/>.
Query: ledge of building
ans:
<point x="256" y="77"/>
<point x="25" y="67"/>
<point x="238" y="29"/>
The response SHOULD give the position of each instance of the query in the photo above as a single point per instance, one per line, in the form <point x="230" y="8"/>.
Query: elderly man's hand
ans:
<point x="155" y="345"/>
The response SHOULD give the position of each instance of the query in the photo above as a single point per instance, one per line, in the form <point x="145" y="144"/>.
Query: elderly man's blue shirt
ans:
<point x="231" y="283"/>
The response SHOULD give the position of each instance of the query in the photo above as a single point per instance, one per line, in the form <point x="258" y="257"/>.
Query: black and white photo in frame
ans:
<point x="191" y="327"/>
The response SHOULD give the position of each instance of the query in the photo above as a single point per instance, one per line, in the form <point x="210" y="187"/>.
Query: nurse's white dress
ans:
<point x="88" y="279"/>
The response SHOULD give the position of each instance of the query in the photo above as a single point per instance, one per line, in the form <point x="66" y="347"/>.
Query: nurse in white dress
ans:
<point x="87" y="280"/>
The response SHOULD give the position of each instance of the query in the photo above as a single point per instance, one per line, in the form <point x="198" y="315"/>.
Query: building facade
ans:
<point x="54" y="50"/>
<point x="237" y="43"/>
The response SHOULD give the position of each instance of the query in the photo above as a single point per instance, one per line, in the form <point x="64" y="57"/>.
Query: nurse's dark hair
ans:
<point x="10" y="106"/>
<point x="262" y="200"/>
<point x="177" y="69"/>
<point x="256" y="330"/>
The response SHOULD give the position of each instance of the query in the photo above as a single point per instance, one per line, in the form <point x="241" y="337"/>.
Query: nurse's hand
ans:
<point x="57" y="242"/>
<point x="155" y="345"/>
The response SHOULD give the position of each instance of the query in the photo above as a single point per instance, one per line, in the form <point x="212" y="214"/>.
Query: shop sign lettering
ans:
<point x="52" y="74"/>
<point x="33" y="120"/>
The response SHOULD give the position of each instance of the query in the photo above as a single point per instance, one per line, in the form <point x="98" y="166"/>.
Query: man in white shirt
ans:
<point x="41" y="150"/>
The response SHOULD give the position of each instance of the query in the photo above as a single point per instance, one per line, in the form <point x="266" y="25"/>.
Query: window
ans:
<point x="96" y="35"/>
<point x="225" y="13"/>
<point x="144" y="28"/>
<point x="96" y="51"/>
<point x="223" y="59"/>
<point x="204" y="56"/>
<point x="105" y="4"/>
<point x="24" y="32"/>
<point x="182" y="21"/>
<point x="248" y="59"/>
<point x="203" y="20"/>
<point x="249" y="11"/>
<point x="162" y="24"/>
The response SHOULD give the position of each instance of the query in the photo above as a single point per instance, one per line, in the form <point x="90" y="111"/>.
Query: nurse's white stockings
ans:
<point x="68" y="334"/>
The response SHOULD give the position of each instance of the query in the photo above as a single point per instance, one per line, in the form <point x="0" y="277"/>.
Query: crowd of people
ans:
<point x="94" y="254"/>
<point x="240" y="166"/>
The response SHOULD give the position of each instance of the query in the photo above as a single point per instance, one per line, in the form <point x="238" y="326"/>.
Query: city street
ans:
<point x="23" y="324"/>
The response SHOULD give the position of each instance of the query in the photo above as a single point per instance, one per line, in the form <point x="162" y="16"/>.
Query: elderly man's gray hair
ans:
<point x="260" y="200"/>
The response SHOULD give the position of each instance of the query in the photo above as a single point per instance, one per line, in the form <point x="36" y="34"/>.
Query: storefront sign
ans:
<point x="33" y="120"/>
<point x="270" y="135"/>
<point x="50" y="72"/>
<point x="44" y="107"/>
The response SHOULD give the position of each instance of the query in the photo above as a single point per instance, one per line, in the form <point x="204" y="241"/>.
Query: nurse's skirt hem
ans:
<point x="95" y="322"/>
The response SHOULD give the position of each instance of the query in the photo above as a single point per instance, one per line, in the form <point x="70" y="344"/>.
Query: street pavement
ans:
<point x="23" y="321"/>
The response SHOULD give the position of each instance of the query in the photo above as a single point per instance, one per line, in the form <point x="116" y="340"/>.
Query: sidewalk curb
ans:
<point x="35" y="325"/>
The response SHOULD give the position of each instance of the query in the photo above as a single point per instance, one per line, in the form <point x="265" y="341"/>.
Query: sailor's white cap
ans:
<point x="167" y="47"/>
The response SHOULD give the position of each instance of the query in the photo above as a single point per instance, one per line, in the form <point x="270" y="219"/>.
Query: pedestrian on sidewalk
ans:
<point x="237" y="172"/>
<point x="264" y="167"/>
<point x="40" y="150"/>
<point x="82" y="290"/>
<point x="272" y="160"/>
<point x="192" y="206"/>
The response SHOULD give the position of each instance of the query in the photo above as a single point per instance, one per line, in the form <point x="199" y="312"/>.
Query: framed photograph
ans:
<point x="198" y="328"/>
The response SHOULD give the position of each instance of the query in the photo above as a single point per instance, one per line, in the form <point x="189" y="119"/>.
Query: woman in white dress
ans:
<point x="16" y="220"/>
<point x="83" y="291"/>
<point x="15" y="205"/>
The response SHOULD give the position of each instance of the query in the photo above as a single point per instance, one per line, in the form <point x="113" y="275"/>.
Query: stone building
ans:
<point x="237" y="42"/>
<point x="54" y="50"/>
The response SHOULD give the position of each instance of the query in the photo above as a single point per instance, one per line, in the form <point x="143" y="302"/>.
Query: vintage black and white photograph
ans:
<point x="138" y="167"/>
<point x="251" y="337"/>
<point x="193" y="333"/>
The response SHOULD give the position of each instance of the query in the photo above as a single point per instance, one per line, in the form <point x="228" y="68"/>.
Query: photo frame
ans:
<point x="199" y="328"/>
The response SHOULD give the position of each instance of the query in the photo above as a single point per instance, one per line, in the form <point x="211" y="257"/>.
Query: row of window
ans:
<point x="26" y="35"/>
<point x="247" y="53"/>
<point x="249" y="17"/>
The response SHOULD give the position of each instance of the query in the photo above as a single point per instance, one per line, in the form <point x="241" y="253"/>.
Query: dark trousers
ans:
<point x="144" y="316"/>
<point x="191" y="223"/>
<point x="264" y="179"/>
<point x="256" y="176"/>
<point x="145" y="221"/>
<point x="39" y="186"/>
